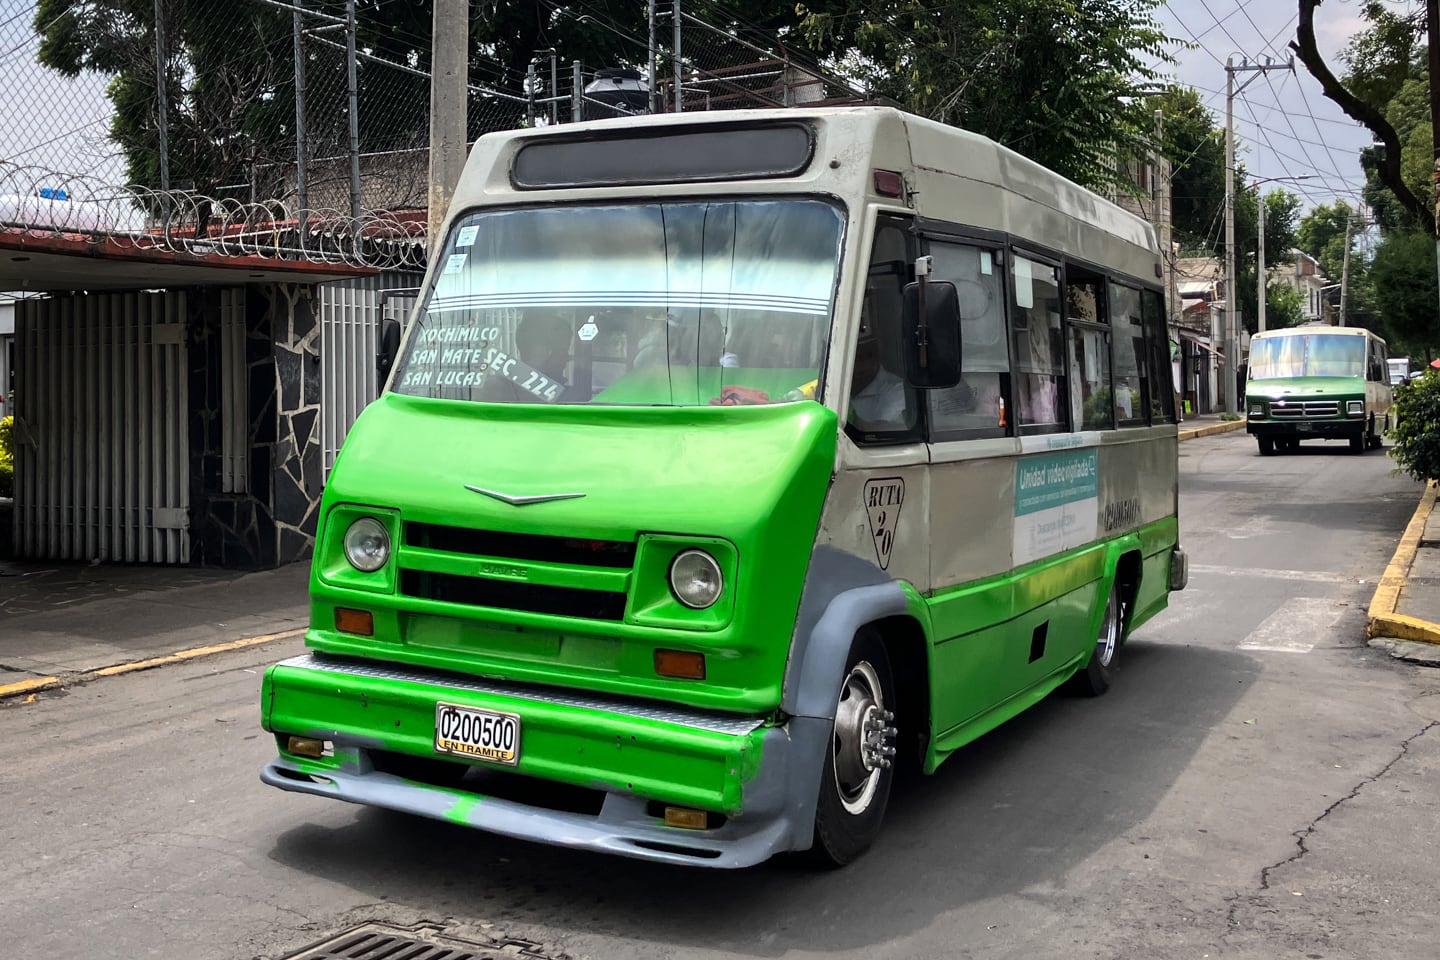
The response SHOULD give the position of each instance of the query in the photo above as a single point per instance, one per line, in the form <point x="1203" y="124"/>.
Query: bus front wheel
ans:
<point x="859" y="766"/>
<point x="1267" y="446"/>
<point x="1099" y="671"/>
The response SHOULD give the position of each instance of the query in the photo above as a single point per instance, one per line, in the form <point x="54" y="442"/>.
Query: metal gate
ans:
<point x="350" y="315"/>
<point x="102" y="459"/>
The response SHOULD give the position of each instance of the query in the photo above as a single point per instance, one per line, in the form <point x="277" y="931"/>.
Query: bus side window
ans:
<point x="1039" y="350"/>
<point x="1133" y="377"/>
<point x="1157" y="339"/>
<point x="1092" y="406"/>
<point x="884" y="408"/>
<point x="975" y="407"/>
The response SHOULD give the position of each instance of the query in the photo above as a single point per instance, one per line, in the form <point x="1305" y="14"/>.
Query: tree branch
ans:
<point x="1389" y="169"/>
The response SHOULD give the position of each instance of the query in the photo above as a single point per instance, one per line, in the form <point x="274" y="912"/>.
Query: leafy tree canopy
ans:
<point x="1061" y="81"/>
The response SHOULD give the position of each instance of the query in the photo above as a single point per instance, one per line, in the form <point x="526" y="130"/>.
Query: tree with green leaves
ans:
<point x="1059" y="81"/>
<point x="1403" y="274"/>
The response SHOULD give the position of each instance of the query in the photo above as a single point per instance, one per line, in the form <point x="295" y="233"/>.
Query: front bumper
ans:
<point x="631" y="751"/>
<point x="1306" y="428"/>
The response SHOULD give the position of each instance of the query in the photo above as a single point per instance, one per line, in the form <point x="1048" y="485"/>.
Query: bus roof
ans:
<point x="1025" y="199"/>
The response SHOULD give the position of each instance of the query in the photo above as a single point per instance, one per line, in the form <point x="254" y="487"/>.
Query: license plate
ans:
<point x="477" y="734"/>
<point x="1303" y="427"/>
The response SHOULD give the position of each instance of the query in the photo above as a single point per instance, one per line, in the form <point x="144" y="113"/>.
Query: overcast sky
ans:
<point x="1285" y="125"/>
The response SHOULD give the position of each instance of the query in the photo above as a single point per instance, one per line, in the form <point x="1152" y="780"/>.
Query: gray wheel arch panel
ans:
<point x="842" y="594"/>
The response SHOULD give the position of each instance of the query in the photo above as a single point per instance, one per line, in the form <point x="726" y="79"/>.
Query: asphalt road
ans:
<point x="1259" y="783"/>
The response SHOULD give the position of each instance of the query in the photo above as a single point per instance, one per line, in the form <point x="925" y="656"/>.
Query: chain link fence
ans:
<point x="222" y="118"/>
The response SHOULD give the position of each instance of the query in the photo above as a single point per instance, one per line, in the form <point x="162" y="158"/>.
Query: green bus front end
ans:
<point x="1317" y="383"/>
<point x="568" y="600"/>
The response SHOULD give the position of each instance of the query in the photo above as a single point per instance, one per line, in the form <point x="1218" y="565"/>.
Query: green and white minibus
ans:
<point x="729" y="460"/>
<point x="1317" y="382"/>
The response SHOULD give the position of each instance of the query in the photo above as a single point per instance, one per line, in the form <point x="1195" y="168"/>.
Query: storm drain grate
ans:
<point x="379" y="941"/>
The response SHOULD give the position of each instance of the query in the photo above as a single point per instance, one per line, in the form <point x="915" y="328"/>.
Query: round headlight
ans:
<point x="695" y="578"/>
<point x="367" y="544"/>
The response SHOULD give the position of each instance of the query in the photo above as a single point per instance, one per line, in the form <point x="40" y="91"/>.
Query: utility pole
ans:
<point x="353" y="90"/>
<point x="1229" y="382"/>
<point x="675" y="55"/>
<point x="1260" y="264"/>
<point x="162" y="109"/>
<point x="1432" y="22"/>
<point x="1345" y="277"/>
<point x="449" y="80"/>
<point x="302" y="187"/>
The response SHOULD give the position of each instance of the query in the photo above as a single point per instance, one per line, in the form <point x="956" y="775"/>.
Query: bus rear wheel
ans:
<point x="1099" y="671"/>
<point x="859" y="766"/>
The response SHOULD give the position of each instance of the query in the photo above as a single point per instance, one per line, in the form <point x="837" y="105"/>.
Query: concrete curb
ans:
<point x="37" y="684"/>
<point x="1384" y="621"/>
<point x="1226" y="426"/>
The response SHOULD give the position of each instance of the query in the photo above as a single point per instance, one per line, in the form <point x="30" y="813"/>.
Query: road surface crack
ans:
<point x="1302" y="835"/>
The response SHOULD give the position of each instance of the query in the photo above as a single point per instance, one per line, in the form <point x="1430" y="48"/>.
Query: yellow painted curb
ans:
<point x="1225" y="426"/>
<point x="85" y="676"/>
<point x="1384" y="621"/>
<point x="28" y="686"/>
<point x="190" y="654"/>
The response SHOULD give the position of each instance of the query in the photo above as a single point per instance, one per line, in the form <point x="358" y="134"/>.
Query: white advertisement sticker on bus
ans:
<point x="1057" y="503"/>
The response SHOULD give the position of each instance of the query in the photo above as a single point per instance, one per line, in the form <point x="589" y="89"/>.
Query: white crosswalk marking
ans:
<point x="1295" y="626"/>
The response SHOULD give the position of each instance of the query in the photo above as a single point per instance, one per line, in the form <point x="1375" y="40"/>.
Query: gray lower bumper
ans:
<point x="773" y="821"/>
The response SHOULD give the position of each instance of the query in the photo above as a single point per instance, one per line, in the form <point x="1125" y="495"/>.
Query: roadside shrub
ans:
<point x="7" y="459"/>
<point x="1417" y="432"/>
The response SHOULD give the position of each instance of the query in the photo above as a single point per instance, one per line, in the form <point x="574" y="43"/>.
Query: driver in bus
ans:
<point x="877" y="396"/>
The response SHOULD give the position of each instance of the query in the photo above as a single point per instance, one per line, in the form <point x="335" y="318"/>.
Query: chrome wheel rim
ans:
<point x="1109" y="639"/>
<point x="862" y="741"/>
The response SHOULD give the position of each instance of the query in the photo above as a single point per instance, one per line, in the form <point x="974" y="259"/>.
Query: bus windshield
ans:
<point x="674" y="304"/>
<point x="1318" y="355"/>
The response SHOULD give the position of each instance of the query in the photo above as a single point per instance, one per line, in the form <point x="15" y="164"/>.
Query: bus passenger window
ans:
<point x="1127" y="350"/>
<point x="976" y="406"/>
<point x="1157" y="338"/>
<point x="1039" y="377"/>
<point x="1091" y="403"/>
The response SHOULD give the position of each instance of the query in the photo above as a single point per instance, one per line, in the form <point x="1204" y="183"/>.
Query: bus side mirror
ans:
<point x="389" y="349"/>
<point x="930" y="325"/>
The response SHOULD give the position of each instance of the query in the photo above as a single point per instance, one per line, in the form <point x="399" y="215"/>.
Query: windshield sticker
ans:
<point x="883" y="499"/>
<point x="466" y="236"/>
<point x="1057" y="504"/>
<point x="454" y="263"/>
<point x="588" y="330"/>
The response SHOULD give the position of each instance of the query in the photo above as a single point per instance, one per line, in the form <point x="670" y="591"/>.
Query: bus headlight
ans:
<point x="1257" y="409"/>
<point x="1355" y="408"/>
<point x="367" y="545"/>
<point x="696" y="580"/>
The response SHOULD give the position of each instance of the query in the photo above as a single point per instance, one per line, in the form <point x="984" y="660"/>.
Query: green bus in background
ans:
<point x="728" y="461"/>
<point x="1317" y="382"/>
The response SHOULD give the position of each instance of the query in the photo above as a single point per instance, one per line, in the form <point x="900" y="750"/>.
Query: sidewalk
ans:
<point x="69" y="623"/>
<point x="63" y="623"/>
<point x="1405" y="611"/>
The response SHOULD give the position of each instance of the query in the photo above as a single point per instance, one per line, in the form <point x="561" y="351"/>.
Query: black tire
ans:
<point x="1358" y="443"/>
<point x="1095" y="677"/>
<point x="1376" y="438"/>
<point x="1267" y="446"/>
<point x="1290" y="444"/>
<point x="851" y="805"/>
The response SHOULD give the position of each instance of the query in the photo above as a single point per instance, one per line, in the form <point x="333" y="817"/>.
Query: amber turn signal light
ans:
<point x="306" y="747"/>
<point x="354" y="621"/>
<point x="680" y="664"/>
<point x="687" y="819"/>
